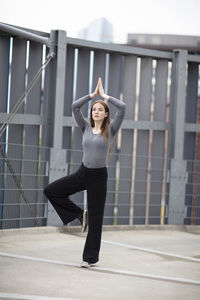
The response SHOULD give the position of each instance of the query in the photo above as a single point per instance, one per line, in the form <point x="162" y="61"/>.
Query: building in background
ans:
<point x="166" y="42"/>
<point x="100" y="30"/>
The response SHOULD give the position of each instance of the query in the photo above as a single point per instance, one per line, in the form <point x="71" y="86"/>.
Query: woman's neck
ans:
<point x="97" y="126"/>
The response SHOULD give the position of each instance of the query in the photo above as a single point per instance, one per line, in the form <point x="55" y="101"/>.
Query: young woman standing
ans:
<point x="92" y="175"/>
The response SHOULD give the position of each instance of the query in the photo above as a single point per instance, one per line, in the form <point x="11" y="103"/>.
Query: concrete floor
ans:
<point x="123" y="273"/>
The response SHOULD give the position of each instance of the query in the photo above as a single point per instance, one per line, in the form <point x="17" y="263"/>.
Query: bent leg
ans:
<point x="58" y="194"/>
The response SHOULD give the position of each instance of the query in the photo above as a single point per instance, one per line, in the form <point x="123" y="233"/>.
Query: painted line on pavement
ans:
<point x="152" y="251"/>
<point x="57" y="262"/>
<point x="149" y="276"/>
<point x="107" y="270"/>
<point x="31" y="297"/>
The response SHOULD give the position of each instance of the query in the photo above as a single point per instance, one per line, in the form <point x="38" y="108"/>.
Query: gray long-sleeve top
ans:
<point x="95" y="148"/>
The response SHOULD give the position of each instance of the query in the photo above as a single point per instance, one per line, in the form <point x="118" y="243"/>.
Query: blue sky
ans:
<point x="127" y="16"/>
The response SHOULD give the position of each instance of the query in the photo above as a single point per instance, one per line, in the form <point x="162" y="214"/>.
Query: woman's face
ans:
<point x="98" y="112"/>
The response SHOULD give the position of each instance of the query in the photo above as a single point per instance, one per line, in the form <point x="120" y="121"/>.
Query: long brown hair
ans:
<point x="106" y="121"/>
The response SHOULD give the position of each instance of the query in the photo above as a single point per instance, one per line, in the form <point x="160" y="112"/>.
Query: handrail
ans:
<point x="25" y="34"/>
<point x="118" y="48"/>
<point x="127" y="49"/>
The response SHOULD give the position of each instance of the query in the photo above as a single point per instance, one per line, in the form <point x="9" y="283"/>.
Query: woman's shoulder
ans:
<point x="87" y="126"/>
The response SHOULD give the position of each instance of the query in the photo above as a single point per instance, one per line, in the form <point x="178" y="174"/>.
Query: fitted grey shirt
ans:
<point x="95" y="148"/>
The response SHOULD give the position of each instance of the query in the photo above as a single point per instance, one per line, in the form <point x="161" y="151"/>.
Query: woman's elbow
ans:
<point x="124" y="107"/>
<point x="74" y="107"/>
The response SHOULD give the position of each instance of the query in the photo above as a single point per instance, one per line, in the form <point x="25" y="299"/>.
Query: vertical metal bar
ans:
<point x="4" y="69"/>
<point x="180" y="79"/>
<point x="127" y="140"/>
<point x="159" y="154"/>
<point x="59" y="88"/>
<point x="143" y="140"/>
<point x="178" y="174"/>
<point x="57" y="154"/>
<point x="57" y="170"/>
<point x="82" y="89"/>
<point x="114" y="84"/>
<point x="4" y="74"/>
<point x="15" y="132"/>
<point x="99" y="68"/>
<point x="47" y="108"/>
<point x="49" y="98"/>
<point x="67" y="131"/>
<point x="69" y="89"/>
<point x="191" y="149"/>
<point x="31" y="132"/>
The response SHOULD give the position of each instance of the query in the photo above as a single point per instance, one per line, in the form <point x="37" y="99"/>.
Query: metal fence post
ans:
<point x="178" y="173"/>
<point x="57" y="170"/>
<point x="57" y="164"/>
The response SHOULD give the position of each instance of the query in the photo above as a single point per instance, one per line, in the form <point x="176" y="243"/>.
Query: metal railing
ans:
<point x="123" y="206"/>
<point x="29" y="166"/>
<point x="153" y="174"/>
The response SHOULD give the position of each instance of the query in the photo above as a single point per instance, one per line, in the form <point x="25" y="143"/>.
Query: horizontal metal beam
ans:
<point x="124" y="49"/>
<point x="189" y="127"/>
<point x="127" y="124"/>
<point x="145" y="125"/>
<point x="30" y="119"/>
<point x="24" y="34"/>
<point x="193" y="58"/>
<point x="23" y="119"/>
<point x="116" y="48"/>
<point x="37" y="32"/>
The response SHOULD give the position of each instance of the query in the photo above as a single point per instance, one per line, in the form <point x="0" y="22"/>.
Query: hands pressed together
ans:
<point x="99" y="90"/>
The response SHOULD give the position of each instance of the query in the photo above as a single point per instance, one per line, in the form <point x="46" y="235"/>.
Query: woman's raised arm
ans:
<point x="121" y="107"/>
<point x="119" y="115"/>
<point x="76" y="106"/>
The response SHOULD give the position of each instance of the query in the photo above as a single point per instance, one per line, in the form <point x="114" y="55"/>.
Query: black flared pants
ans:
<point x="95" y="182"/>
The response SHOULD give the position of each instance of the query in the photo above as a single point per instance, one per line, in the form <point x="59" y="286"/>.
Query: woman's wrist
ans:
<point x="106" y="97"/>
<point x="92" y="95"/>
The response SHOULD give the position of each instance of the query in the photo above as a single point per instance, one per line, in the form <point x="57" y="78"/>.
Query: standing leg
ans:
<point x="96" y="196"/>
<point x="58" y="194"/>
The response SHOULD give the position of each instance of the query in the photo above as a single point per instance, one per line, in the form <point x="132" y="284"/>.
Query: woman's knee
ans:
<point x="46" y="191"/>
<point x="51" y="192"/>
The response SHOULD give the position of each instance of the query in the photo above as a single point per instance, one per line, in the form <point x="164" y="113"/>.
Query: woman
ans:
<point x="92" y="175"/>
